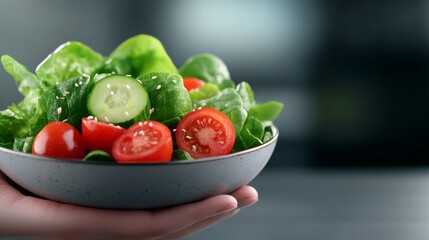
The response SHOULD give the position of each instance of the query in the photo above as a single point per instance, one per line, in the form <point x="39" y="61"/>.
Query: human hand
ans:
<point x="22" y="215"/>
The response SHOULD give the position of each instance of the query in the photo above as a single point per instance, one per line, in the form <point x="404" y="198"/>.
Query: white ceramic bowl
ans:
<point x="134" y="186"/>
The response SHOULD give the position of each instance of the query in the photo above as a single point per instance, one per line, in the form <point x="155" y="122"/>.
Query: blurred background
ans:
<point x="352" y="74"/>
<point x="353" y="77"/>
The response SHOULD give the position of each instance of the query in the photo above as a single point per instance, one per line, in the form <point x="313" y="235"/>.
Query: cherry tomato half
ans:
<point x="147" y="141"/>
<point x="205" y="133"/>
<point x="192" y="83"/>
<point x="100" y="135"/>
<point x="59" y="139"/>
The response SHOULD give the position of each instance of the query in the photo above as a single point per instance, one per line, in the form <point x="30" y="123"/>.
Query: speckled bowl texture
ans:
<point x="134" y="186"/>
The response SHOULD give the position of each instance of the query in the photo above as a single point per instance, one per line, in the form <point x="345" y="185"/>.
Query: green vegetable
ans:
<point x="179" y="154"/>
<point x="246" y="94"/>
<point x="209" y="68"/>
<point x="71" y="59"/>
<point x="230" y="103"/>
<point x="267" y="111"/>
<point x="23" y="144"/>
<point x="139" y="55"/>
<point x="168" y="97"/>
<point x="12" y="125"/>
<point x="207" y="90"/>
<point x="65" y="101"/>
<point x="118" y="100"/>
<point x="99" y="156"/>
<point x="28" y="83"/>
<point x="75" y="81"/>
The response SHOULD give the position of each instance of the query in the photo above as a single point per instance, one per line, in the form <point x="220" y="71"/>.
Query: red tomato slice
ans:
<point x="147" y="141"/>
<point x="100" y="135"/>
<point x="192" y="83"/>
<point x="59" y="139"/>
<point x="205" y="133"/>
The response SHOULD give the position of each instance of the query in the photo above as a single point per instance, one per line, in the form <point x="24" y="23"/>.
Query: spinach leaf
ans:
<point x="230" y="103"/>
<point x="179" y="154"/>
<point x="251" y="135"/>
<point x="207" y="90"/>
<point x="208" y="68"/>
<point x="71" y="59"/>
<point x="65" y="101"/>
<point x="168" y="97"/>
<point x="139" y="55"/>
<point x="267" y="111"/>
<point x="246" y="93"/>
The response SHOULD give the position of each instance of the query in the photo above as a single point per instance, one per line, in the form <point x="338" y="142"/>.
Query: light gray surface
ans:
<point x="302" y="204"/>
<point x="333" y="204"/>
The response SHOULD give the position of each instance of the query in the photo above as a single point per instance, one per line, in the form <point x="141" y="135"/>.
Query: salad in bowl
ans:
<point x="132" y="106"/>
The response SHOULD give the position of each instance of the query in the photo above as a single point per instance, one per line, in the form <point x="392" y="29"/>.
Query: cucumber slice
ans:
<point x="119" y="100"/>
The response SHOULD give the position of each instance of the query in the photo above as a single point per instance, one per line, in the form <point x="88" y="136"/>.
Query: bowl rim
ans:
<point x="180" y="162"/>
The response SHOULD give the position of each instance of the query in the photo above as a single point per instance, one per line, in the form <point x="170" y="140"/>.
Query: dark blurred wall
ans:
<point x="372" y="85"/>
<point x="352" y="74"/>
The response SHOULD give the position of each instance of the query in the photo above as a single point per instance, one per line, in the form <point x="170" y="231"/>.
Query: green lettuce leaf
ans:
<point x="71" y="59"/>
<point x="139" y="55"/>
<point x="28" y="83"/>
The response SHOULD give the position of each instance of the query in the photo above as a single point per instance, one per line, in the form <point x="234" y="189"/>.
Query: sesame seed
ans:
<point x="95" y="118"/>
<point x="112" y="93"/>
<point x="194" y="148"/>
<point x="221" y="142"/>
<point x="128" y="75"/>
<point x="57" y="83"/>
<point x="76" y="85"/>
<point x="174" y="81"/>
<point x="199" y="108"/>
<point x="57" y="97"/>
<point x="128" y="86"/>
<point x="66" y="92"/>
<point x="135" y="134"/>
<point x="108" y="85"/>
<point x="59" y="110"/>
<point x="85" y="75"/>
<point x="174" y="130"/>
<point x="203" y="104"/>
<point x="62" y="98"/>
<point x="183" y="130"/>
<point x="65" y="120"/>
<point x="90" y="117"/>
<point x="154" y="77"/>
<point x="80" y="82"/>
<point x="226" y="105"/>
<point x="127" y="113"/>
<point x="150" y="124"/>
<point x="139" y="81"/>
<point x="151" y="110"/>
<point x="106" y="118"/>
<point x="141" y="132"/>
<point x="188" y="137"/>
<point x="140" y="124"/>
<point x="158" y="87"/>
